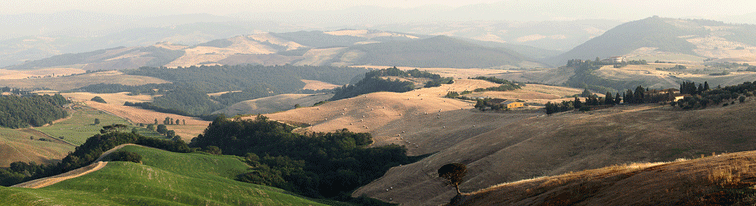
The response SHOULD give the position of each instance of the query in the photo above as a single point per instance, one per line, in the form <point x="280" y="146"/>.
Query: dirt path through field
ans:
<point x="47" y="181"/>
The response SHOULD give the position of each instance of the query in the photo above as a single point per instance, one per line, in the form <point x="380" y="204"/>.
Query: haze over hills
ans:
<point x="338" y="48"/>
<point x="667" y="39"/>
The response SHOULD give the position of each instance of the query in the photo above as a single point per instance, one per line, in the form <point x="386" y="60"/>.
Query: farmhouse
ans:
<point x="512" y="104"/>
<point x="681" y="97"/>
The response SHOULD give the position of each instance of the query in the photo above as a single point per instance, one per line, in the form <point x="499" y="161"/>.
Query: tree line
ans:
<point x="372" y="82"/>
<point x="83" y="155"/>
<point x="31" y="110"/>
<point x="317" y="165"/>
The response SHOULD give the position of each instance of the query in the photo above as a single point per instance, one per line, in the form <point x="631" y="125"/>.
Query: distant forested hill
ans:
<point x="31" y="110"/>
<point x="440" y="51"/>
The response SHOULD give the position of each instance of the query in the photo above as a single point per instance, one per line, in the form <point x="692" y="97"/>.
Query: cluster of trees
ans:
<point x="675" y="68"/>
<point x="98" y="99"/>
<point x="314" y="164"/>
<point x="15" y="91"/>
<point x="31" y="110"/>
<point x="374" y="83"/>
<point x="189" y="100"/>
<point x="506" y="85"/>
<point x="639" y="96"/>
<point x="125" y="156"/>
<point x="83" y="155"/>
<point x="702" y="99"/>
<point x="689" y="87"/>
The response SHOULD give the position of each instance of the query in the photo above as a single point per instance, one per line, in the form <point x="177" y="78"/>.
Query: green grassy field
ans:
<point x="163" y="178"/>
<point x="80" y="126"/>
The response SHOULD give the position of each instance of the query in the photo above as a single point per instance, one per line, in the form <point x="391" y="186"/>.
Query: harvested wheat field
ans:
<point x="200" y="55"/>
<point x="27" y="145"/>
<point x="533" y="93"/>
<point x="318" y="85"/>
<point x="510" y="148"/>
<point x="281" y="102"/>
<point x="110" y="98"/>
<point x="81" y="80"/>
<point x="194" y="126"/>
<point x="726" y="179"/>
<point x="38" y="73"/>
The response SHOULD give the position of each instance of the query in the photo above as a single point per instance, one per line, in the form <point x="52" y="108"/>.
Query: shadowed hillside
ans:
<point x="440" y="51"/>
<point x="725" y="179"/>
<point x="530" y="147"/>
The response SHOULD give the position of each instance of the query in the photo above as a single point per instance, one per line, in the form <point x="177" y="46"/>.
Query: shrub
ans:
<point x="125" y="156"/>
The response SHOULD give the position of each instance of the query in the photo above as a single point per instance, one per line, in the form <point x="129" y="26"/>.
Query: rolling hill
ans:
<point x="164" y="178"/>
<point x="724" y="179"/>
<point x="521" y="144"/>
<point x="439" y="51"/>
<point x="667" y="39"/>
<point x="338" y="48"/>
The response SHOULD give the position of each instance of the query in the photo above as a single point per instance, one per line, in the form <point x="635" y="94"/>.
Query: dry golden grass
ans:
<point x="688" y="182"/>
<point x="15" y="145"/>
<point x="263" y="37"/>
<point x="110" y="98"/>
<point x="221" y="93"/>
<point x="200" y="55"/>
<point x="505" y="147"/>
<point x="23" y="74"/>
<point x="273" y="104"/>
<point x="318" y="85"/>
<point x="194" y="126"/>
<point x="73" y="82"/>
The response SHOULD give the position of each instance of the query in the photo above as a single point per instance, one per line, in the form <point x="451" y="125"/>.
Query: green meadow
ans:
<point x="80" y="126"/>
<point x="163" y="178"/>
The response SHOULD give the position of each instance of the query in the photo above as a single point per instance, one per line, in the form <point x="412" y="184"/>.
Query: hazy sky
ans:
<point x="632" y="9"/>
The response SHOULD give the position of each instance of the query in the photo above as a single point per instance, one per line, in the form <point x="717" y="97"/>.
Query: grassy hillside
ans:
<point x="714" y="180"/>
<point x="440" y="51"/>
<point x="80" y="126"/>
<point x="505" y="147"/>
<point x="163" y="178"/>
<point x="27" y="145"/>
<point x="623" y="39"/>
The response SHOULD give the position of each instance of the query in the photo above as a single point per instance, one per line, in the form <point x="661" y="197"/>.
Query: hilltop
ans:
<point x="666" y="39"/>
<point x="162" y="177"/>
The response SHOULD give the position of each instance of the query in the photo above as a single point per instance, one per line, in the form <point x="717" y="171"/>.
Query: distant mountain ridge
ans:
<point x="694" y="38"/>
<point x="337" y="48"/>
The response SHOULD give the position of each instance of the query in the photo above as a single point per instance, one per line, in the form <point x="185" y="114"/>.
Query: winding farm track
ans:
<point x="47" y="181"/>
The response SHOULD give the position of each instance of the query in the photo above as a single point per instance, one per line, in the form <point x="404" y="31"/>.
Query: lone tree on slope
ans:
<point x="454" y="173"/>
